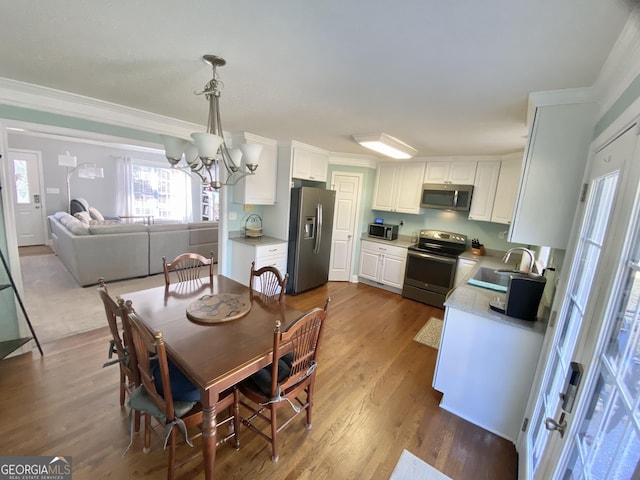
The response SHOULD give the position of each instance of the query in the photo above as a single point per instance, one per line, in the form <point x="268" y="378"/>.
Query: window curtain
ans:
<point x="125" y="185"/>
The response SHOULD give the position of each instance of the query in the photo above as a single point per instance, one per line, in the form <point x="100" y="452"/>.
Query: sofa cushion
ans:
<point x="84" y="217"/>
<point x="95" y="214"/>
<point x="72" y="224"/>
<point x="103" y="229"/>
<point x="195" y="225"/>
<point x="166" y="227"/>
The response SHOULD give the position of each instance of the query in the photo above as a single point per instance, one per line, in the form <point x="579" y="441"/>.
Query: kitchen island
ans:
<point x="486" y="360"/>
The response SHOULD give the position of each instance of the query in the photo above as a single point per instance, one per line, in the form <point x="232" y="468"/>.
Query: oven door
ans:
<point x="430" y="272"/>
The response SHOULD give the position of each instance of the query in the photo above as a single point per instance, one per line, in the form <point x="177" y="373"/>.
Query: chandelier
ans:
<point x="207" y="155"/>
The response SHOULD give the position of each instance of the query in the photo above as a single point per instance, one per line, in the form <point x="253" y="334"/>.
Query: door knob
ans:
<point x="553" y="426"/>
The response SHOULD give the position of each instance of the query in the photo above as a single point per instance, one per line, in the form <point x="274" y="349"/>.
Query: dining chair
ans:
<point x="120" y="345"/>
<point x="285" y="381"/>
<point x="187" y="267"/>
<point x="169" y="396"/>
<point x="268" y="281"/>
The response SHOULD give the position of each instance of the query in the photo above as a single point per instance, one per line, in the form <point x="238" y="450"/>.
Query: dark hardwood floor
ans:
<point x="373" y="399"/>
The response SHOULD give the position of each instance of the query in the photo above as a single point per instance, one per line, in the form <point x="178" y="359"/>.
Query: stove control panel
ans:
<point x="448" y="237"/>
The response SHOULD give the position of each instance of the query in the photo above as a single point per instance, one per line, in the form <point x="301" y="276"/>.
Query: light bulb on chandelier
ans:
<point x="208" y="152"/>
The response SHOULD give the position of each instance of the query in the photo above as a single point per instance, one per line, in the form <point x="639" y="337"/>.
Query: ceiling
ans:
<point x="447" y="77"/>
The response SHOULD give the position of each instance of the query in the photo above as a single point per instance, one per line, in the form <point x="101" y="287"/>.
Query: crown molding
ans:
<point x="353" y="160"/>
<point x="35" y="97"/>
<point x="622" y="65"/>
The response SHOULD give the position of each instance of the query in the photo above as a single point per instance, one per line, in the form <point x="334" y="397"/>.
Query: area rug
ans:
<point x="430" y="334"/>
<point x="410" y="467"/>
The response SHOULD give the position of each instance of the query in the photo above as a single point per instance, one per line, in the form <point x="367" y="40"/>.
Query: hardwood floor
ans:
<point x="373" y="399"/>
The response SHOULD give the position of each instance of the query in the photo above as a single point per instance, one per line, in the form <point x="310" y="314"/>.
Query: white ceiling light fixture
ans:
<point x="386" y="145"/>
<point x="207" y="153"/>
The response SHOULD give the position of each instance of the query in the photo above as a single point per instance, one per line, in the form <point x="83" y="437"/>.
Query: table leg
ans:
<point x="209" y="398"/>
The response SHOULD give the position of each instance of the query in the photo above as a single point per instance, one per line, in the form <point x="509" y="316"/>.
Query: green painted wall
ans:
<point x="45" y="118"/>
<point x="8" y="316"/>
<point x="630" y="95"/>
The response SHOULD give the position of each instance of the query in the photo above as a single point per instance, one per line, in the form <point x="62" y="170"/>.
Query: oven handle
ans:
<point x="436" y="258"/>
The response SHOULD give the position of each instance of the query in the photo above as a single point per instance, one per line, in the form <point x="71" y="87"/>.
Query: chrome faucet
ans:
<point x="532" y="259"/>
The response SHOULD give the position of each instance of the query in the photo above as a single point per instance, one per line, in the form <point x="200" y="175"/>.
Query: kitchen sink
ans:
<point x="492" y="279"/>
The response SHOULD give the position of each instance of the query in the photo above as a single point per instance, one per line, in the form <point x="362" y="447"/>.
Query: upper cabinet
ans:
<point x="495" y="189"/>
<point x="554" y="163"/>
<point x="484" y="190"/>
<point x="259" y="188"/>
<point x="507" y="190"/>
<point x="398" y="187"/>
<point x="460" y="172"/>
<point x="308" y="162"/>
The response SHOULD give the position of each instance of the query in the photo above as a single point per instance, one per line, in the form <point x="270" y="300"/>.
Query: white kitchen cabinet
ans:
<point x="264" y="252"/>
<point x="308" y="162"/>
<point x="463" y="269"/>
<point x="384" y="264"/>
<point x="484" y="190"/>
<point x="398" y="187"/>
<point x="507" y="190"/>
<point x="259" y="188"/>
<point x="554" y="163"/>
<point x="485" y="369"/>
<point x="461" y="172"/>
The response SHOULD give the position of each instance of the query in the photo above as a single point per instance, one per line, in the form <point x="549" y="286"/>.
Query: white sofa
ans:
<point x="116" y="251"/>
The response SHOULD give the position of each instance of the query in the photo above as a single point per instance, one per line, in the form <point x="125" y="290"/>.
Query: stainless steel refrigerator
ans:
<point x="310" y="228"/>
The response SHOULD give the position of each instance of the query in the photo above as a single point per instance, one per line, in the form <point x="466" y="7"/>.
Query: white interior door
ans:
<point x="26" y="169"/>
<point x="347" y="187"/>
<point x="558" y="409"/>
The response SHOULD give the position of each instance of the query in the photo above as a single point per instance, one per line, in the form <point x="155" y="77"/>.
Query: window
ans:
<point x="162" y="192"/>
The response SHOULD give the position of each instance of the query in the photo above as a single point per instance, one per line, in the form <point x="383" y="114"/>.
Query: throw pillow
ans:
<point x="95" y="214"/>
<point x="84" y="217"/>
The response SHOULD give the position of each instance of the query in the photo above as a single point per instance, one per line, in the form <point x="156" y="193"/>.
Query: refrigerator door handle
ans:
<point x="318" y="228"/>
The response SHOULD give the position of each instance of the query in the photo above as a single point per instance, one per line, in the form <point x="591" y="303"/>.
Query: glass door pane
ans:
<point x="571" y="317"/>
<point x="607" y="444"/>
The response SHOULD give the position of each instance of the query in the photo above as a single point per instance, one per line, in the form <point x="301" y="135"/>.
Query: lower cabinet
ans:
<point x="268" y="253"/>
<point x="384" y="264"/>
<point x="485" y="369"/>
<point x="463" y="268"/>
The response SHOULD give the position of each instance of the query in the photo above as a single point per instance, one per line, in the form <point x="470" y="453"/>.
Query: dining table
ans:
<point x="214" y="355"/>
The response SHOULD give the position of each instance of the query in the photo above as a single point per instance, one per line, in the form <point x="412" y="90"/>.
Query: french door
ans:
<point x="556" y="443"/>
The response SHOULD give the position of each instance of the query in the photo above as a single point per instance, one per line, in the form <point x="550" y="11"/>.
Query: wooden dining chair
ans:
<point x="166" y="394"/>
<point x="187" y="267"/>
<point x="285" y="381"/>
<point x="121" y="347"/>
<point x="268" y="281"/>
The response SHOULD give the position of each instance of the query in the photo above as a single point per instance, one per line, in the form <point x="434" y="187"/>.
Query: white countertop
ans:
<point x="264" y="240"/>
<point x="473" y="299"/>
<point x="403" y="241"/>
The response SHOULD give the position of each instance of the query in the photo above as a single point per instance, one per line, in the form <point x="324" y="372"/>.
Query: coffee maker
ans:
<point x="524" y="293"/>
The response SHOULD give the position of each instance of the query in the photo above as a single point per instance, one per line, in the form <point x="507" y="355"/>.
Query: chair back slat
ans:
<point x="268" y="283"/>
<point x="150" y="348"/>
<point x="301" y="341"/>
<point x="187" y="267"/>
<point x="121" y="342"/>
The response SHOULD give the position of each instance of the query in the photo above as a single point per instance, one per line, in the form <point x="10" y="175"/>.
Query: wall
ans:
<point x="8" y="315"/>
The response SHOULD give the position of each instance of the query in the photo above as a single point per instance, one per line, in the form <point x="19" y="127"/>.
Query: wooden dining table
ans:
<point x="214" y="356"/>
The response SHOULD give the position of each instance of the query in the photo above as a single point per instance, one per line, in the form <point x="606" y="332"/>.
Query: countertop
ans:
<point x="264" y="240"/>
<point x="403" y="241"/>
<point x="473" y="299"/>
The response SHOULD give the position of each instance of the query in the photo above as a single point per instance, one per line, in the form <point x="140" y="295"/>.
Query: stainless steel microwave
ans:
<point x="383" y="230"/>
<point x="446" y="196"/>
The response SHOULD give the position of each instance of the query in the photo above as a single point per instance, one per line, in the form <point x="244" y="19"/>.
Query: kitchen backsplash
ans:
<point x="449" y="221"/>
